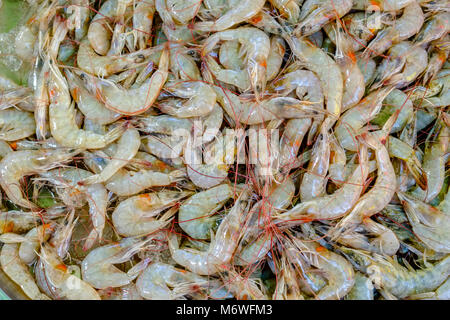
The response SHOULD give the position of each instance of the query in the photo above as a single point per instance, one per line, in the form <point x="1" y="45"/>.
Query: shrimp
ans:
<point x="19" y="272"/>
<point x="127" y="147"/>
<point x="368" y="69"/>
<point x="16" y="165"/>
<point x="24" y="42"/>
<point x="87" y="103"/>
<point x="314" y="180"/>
<point x="98" y="268"/>
<point x="33" y="239"/>
<point x="135" y="216"/>
<point x="62" y="118"/>
<point x="17" y="221"/>
<point x="244" y="288"/>
<point x="353" y="78"/>
<point x="380" y="194"/>
<point x="135" y="100"/>
<point x="182" y="65"/>
<point x="326" y="69"/>
<point x="201" y="99"/>
<point x="405" y="27"/>
<point x="59" y="278"/>
<point x="351" y="122"/>
<point x="250" y="112"/>
<point x="175" y="11"/>
<point x="434" y="164"/>
<point x="334" y="205"/>
<point x="257" y="47"/>
<point x="428" y="223"/>
<point x="439" y="56"/>
<point x="161" y="281"/>
<point x="338" y="271"/>
<point x="128" y="183"/>
<point x="196" y="213"/>
<point x="143" y="14"/>
<point x="276" y="56"/>
<point x="385" y="5"/>
<point x="315" y="14"/>
<point x="99" y="34"/>
<point x="222" y="245"/>
<point x="288" y="8"/>
<point x="287" y="287"/>
<point x="97" y="197"/>
<point x="291" y="141"/>
<point x="240" y="12"/>
<point x="436" y="27"/>
<point x="16" y="124"/>
<point x="401" y="282"/>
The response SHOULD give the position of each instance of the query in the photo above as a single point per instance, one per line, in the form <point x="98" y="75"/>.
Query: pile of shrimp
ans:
<point x="104" y="197"/>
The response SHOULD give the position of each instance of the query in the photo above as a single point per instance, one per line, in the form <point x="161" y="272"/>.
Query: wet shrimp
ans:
<point x="16" y="124"/>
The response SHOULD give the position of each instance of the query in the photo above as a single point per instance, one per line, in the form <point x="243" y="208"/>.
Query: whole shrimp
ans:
<point x="135" y="216"/>
<point x="177" y="12"/>
<point x="238" y="13"/>
<point x="63" y="125"/>
<point x="18" y="271"/>
<point x="406" y="26"/>
<point x="16" y="165"/>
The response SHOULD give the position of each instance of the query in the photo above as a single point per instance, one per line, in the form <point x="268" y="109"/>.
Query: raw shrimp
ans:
<point x="19" y="272"/>
<point x="317" y="13"/>
<point x="380" y="194"/>
<point x="439" y="56"/>
<point x="428" y="223"/>
<point x="385" y="5"/>
<point x="406" y="26"/>
<point x="16" y="165"/>
<point x="240" y="12"/>
<point x="34" y="237"/>
<point x="201" y="99"/>
<point x="362" y="290"/>
<point x="142" y="21"/>
<point x="276" y="56"/>
<point x="58" y="276"/>
<point x="288" y="8"/>
<point x="257" y="47"/>
<point x="436" y="27"/>
<point x="87" y="103"/>
<point x="135" y="216"/>
<point x="291" y="141"/>
<point x="135" y="100"/>
<point x="127" y="147"/>
<point x="98" y="267"/>
<point x="175" y="11"/>
<point x="334" y="205"/>
<point x="128" y="183"/>
<point x="16" y="124"/>
<point x="196" y="213"/>
<point x="351" y="122"/>
<point x="17" y="221"/>
<point x="62" y="118"/>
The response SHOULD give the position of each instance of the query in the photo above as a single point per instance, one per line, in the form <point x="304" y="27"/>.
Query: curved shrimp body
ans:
<point x="385" y="5"/>
<point x="238" y="13"/>
<point x="18" y="271"/>
<point x="16" y="165"/>
<point x="290" y="9"/>
<point x="401" y="282"/>
<point x="257" y="48"/>
<point x="201" y="99"/>
<point x="62" y="118"/>
<point x="136" y="100"/>
<point x="98" y="268"/>
<point x="16" y="124"/>
<point x="127" y="147"/>
<point x="99" y="34"/>
<point x="381" y="193"/>
<point x="315" y="14"/>
<point x="175" y="11"/>
<point x="17" y="221"/>
<point x="58" y="276"/>
<point x="87" y="103"/>
<point x="436" y="27"/>
<point x="196" y="213"/>
<point x="182" y="65"/>
<point x="326" y="69"/>
<point x="429" y="223"/>
<point x="250" y="112"/>
<point x="351" y="122"/>
<point x="406" y="26"/>
<point x="135" y="216"/>
<point x="160" y="281"/>
<point x="291" y="141"/>
<point x="334" y="205"/>
<point x="128" y="183"/>
<point x="221" y="248"/>
<point x="434" y="165"/>
<point x="338" y="271"/>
